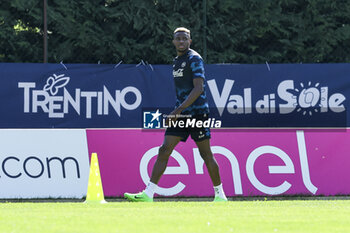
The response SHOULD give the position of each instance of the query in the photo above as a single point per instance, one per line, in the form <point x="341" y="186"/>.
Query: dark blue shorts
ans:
<point x="197" y="133"/>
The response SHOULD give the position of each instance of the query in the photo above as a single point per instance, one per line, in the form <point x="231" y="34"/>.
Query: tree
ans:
<point x="237" y="31"/>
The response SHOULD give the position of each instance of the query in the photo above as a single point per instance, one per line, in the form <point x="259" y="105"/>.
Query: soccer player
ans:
<point x="188" y="72"/>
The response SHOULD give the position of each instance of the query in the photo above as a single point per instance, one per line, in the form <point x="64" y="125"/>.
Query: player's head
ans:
<point x="182" y="39"/>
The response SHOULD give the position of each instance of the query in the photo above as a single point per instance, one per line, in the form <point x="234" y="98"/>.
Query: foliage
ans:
<point x="236" y="31"/>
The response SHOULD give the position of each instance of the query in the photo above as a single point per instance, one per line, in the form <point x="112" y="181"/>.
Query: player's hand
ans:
<point x="173" y="115"/>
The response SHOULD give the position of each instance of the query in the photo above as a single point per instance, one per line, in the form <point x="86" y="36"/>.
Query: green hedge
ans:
<point x="235" y="31"/>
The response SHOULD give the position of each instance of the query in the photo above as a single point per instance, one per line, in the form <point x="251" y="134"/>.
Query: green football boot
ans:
<point x="138" y="197"/>
<point x="219" y="199"/>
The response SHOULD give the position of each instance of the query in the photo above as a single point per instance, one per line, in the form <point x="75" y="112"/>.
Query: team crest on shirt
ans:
<point x="183" y="64"/>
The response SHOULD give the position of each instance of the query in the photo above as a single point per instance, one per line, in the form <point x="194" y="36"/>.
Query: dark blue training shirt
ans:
<point x="186" y="68"/>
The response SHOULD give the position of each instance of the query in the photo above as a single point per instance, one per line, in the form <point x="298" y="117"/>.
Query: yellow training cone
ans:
<point x="95" y="190"/>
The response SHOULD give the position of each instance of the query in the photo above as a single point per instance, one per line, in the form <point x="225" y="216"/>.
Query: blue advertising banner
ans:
<point x="110" y="96"/>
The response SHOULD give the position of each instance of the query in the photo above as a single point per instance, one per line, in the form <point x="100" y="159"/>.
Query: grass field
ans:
<point x="235" y="216"/>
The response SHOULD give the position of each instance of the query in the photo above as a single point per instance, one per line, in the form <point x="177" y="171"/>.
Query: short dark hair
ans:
<point x="182" y="29"/>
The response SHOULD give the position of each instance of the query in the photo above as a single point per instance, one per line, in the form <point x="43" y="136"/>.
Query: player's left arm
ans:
<point x="197" y="67"/>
